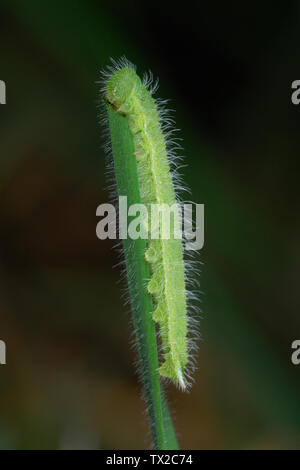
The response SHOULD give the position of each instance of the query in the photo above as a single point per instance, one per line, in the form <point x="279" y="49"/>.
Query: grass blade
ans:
<point x="137" y="274"/>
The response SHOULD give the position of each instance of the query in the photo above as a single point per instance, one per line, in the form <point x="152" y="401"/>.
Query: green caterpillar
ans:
<point x="128" y="95"/>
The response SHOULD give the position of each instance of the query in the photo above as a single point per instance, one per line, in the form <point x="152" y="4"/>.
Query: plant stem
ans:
<point x="138" y="274"/>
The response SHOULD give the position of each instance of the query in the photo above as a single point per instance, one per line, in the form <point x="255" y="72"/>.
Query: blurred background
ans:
<point x="70" y="382"/>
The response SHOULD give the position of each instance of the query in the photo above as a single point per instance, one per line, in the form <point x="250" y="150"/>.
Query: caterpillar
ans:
<point x="132" y="98"/>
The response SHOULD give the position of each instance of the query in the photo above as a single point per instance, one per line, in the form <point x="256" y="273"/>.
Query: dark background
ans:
<point x="70" y="381"/>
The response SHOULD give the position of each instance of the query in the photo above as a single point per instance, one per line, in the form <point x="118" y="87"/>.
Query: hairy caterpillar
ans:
<point x="132" y="98"/>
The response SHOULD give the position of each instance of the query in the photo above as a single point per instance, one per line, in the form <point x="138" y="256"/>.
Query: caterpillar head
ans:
<point x="120" y="87"/>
